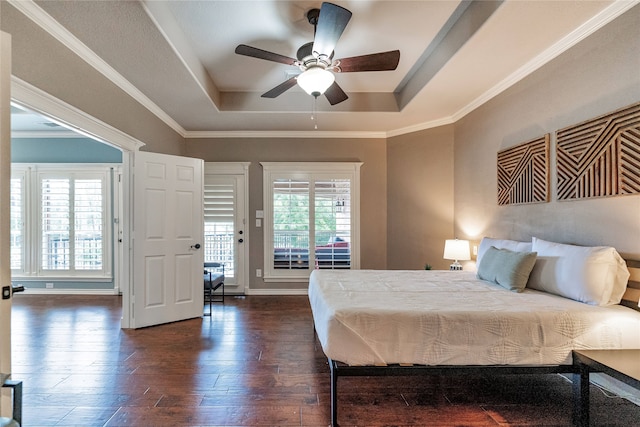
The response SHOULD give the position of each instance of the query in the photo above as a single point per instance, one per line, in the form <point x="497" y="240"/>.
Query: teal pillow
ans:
<point x="507" y="268"/>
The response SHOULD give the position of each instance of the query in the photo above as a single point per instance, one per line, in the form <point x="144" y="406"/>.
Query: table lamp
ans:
<point x="457" y="250"/>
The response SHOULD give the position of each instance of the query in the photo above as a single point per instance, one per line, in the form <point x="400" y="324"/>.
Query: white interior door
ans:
<point x="5" y="212"/>
<point x="167" y="239"/>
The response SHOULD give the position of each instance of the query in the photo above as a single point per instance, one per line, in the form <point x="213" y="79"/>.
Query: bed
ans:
<point x="372" y="322"/>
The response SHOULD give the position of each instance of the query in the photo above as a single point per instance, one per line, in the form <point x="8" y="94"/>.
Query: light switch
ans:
<point x="258" y="222"/>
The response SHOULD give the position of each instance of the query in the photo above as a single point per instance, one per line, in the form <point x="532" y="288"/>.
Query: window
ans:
<point x="65" y="232"/>
<point x="310" y="212"/>
<point x="219" y="217"/>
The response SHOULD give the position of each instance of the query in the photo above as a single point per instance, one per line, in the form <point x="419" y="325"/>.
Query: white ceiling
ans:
<point x="177" y="58"/>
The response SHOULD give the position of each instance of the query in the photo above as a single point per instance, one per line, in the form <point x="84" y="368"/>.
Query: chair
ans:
<point x="213" y="280"/>
<point x="16" y="418"/>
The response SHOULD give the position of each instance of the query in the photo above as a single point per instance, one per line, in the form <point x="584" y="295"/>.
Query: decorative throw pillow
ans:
<point x="513" y="245"/>
<point x="506" y="268"/>
<point x="595" y="275"/>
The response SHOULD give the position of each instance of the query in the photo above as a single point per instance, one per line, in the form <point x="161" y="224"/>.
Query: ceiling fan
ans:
<point x="315" y="59"/>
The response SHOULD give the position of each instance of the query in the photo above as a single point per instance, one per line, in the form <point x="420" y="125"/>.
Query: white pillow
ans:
<point x="512" y="245"/>
<point x="595" y="275"/>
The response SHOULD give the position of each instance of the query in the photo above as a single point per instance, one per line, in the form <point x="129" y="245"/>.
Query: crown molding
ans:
<point x="285" y="134"/>
<point x="45" y="21"/>
<point x="420" y="126"/>
<point x="617" y="8"/>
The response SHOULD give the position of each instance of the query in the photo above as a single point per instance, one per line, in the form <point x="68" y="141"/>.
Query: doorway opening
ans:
<point x="45" y="112"/>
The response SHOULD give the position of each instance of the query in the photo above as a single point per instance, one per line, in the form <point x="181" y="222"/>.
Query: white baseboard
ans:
<point x="275" y="291"/>
<point x="54" y="291"/>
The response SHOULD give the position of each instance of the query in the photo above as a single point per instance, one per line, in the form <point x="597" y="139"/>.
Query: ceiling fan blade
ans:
<point x="254" y="52"/>
<point x="331" y="23"/>
<point x="281" y="88"/>
<point x="335" y="94"/>
<point x="383" y="61"/>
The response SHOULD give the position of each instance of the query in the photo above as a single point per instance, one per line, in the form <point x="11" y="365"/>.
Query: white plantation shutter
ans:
<point x="88" y="223"/>
<point x="332" y="223"/>
<point x="333" y="201"/>
<point x="17" y="222"/>
<point x="218" y="202"/>
<point x="291" y="223"/>
<point x="55" y="203"/>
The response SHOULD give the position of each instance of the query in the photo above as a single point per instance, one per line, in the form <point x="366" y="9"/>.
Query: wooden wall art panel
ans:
<point x="523" y="173"/>
<point x="600" y="157"/>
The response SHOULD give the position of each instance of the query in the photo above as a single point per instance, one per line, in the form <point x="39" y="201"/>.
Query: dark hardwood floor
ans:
<point x="255" y="362"/>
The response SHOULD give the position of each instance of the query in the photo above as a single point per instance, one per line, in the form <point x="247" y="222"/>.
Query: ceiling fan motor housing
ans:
<point x="307" y="59"/>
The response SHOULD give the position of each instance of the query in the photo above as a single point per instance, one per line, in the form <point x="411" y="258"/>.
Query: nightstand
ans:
<point x="623" y="365"/>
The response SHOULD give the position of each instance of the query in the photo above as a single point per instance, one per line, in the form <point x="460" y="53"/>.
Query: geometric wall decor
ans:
<point x="600" y="157"/>
<point x="523" y="173"/>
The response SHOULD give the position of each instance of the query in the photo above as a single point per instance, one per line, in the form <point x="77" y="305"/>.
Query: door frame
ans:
<point x="237" y="168"/>
<point x="30" y="97"/>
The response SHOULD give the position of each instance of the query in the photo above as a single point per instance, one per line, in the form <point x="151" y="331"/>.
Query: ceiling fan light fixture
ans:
<point x="316" y="80"/>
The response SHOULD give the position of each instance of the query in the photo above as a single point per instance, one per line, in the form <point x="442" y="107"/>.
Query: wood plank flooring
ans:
<point x="255" y="362"/>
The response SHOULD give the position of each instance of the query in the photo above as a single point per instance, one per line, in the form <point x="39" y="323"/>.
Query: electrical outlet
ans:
<point x="258" y="272"/>
<point x="49" y="285"/>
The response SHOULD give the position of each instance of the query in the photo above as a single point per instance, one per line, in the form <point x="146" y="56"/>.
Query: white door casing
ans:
<point x="236" y="173"/>
<point x="167" y="237"/>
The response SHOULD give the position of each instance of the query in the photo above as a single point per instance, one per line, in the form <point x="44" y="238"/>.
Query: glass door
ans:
<point x="225" y="235"/>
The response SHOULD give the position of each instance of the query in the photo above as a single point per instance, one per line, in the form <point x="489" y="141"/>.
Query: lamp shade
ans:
<point x="316" y="80"/>
<point x="457" y="250"/>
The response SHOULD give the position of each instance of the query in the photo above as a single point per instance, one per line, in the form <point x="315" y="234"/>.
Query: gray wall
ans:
<point x="599" y="75"/>
<point x="420" y="198"/>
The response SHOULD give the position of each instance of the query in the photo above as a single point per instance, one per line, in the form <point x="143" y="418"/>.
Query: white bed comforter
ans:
<point x="378" y="317"/>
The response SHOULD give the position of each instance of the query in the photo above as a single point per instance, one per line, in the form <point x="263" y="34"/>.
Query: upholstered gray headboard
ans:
<point x="631" y="297"/>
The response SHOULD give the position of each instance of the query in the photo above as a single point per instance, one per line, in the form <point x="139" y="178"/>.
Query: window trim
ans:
<point x="32" y="214"/>
<point x="271" y="170"/>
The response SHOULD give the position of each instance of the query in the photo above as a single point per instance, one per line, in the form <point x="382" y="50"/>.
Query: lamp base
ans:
<point x="456" y="266"/>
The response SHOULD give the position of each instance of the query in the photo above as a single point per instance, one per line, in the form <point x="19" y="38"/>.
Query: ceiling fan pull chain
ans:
<point x="314" y="113"/>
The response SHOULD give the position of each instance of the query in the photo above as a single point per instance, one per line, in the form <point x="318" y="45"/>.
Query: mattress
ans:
<point x="382" y="317"/>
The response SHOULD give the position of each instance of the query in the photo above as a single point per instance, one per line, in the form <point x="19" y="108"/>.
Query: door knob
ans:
<point x="240" y="240"/>
<point x="196" y="246"/>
